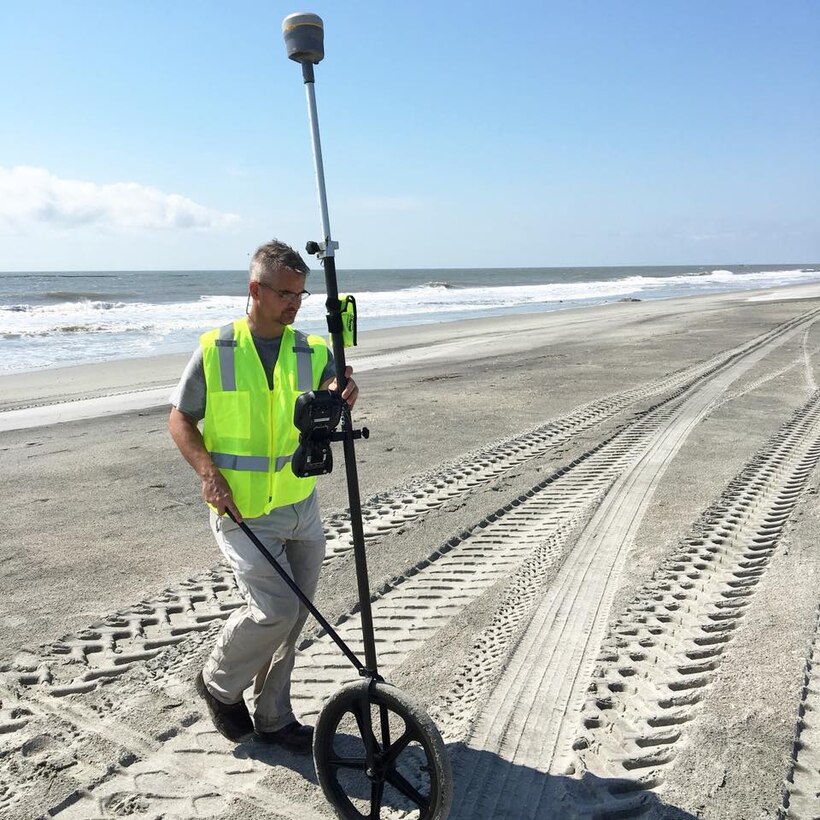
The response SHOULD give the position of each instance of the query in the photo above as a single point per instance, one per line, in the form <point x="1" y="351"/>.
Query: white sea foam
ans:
<point x="83" y="329"/>
<point x="115" y="317"/>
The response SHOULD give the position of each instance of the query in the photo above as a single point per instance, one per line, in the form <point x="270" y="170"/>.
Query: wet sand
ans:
<point x="610" y="514"/>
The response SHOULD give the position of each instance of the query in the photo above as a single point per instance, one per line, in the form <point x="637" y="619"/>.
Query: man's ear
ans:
<point x="253" y="290"/>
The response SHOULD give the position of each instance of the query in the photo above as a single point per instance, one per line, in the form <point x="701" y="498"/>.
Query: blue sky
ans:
<point x="153" y="135"/>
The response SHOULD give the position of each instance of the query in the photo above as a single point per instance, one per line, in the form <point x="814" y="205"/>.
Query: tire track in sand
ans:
<point x="801" y="795"/>
<point x="529" y="722"/>
<point x="809" y="369"/>
<point x="660" y="657"/>
<point x="186" y="774"/>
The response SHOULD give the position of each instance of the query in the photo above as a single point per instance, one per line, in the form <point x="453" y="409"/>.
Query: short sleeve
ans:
<point x="189" y="395"/>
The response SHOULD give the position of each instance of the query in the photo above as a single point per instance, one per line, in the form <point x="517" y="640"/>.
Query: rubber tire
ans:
<point x="401" y="704"/>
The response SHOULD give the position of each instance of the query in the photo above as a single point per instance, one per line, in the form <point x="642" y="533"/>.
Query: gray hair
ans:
<point x="274" y="255"/>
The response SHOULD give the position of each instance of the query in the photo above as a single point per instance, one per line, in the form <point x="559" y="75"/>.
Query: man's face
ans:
<point x="277" y="297"/>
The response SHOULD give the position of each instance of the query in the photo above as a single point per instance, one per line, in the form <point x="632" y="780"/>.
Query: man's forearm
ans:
<point x="215" y="489"/>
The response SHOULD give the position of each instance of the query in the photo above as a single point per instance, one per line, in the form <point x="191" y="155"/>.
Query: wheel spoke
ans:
<point x="364" y="730"/>
<point x="397" y="748"/>
<point x="385" y="720"/>
<point x="356" y="763"/>
<point x="376" y="794"/>
<point x="400" y="783"/>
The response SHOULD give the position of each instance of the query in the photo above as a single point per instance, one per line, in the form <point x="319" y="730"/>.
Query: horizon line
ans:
<point x="513" y="267"/>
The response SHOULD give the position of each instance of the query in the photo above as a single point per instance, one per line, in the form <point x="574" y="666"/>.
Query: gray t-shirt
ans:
<point x="189" y="395"/>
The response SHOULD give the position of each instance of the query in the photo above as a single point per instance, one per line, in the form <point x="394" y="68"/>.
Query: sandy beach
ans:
<point x="599" y="527"/>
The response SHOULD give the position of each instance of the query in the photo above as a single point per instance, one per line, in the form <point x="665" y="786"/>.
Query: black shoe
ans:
<point x="232" y="720"/>
<point x="295" y="737"/>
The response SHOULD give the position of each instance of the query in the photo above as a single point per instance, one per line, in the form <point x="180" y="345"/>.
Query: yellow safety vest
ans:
<point x="248" y="428"/>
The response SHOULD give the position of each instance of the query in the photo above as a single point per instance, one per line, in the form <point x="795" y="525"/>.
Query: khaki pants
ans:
<point x="257" y="644"/>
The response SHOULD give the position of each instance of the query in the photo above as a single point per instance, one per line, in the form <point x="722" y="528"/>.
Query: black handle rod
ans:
<point x="299" y="594"/>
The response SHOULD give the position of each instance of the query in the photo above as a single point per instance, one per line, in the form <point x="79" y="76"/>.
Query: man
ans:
<point x="242" y="383"/>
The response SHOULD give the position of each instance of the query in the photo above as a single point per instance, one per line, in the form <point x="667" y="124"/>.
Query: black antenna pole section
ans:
<point x="304" y="39"/>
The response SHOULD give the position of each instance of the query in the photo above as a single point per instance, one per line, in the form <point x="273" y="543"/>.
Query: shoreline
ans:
<point x="88" y="390"/>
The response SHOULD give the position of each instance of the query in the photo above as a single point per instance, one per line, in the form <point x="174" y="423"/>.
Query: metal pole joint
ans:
<point x="322" y="250"/>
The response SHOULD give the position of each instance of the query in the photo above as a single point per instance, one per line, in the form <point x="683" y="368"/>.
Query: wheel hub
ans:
<point x="378" y="771"/>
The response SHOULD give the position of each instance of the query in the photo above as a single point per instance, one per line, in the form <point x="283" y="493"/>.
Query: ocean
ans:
<point x="52" y="319"/>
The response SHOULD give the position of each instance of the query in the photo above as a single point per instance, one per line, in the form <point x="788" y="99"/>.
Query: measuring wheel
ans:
<point x="375" y="749"/>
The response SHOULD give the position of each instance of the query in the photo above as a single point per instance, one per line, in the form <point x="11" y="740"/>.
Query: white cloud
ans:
<point x="32" y="196"/>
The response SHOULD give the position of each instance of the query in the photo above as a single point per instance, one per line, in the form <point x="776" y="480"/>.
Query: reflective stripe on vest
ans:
<point x="304" y="369"/>
<point x="253" y="464"/>
<point x="227" y="367"/>
<point x="229" y="461"/>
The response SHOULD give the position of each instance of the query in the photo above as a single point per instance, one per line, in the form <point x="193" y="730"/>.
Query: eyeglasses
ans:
<point x="287" y="295"/>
